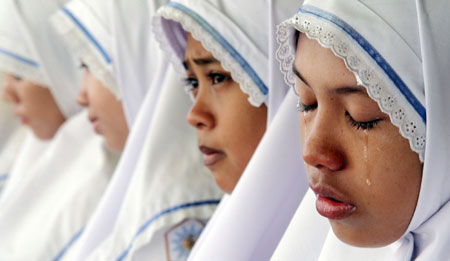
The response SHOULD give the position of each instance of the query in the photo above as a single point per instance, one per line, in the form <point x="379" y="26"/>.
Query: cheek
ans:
<point x="303" y="131"/>
<point x="244" y="126"/>
<point x="392" y="179"/>
<point x="35" y="101"/>
<point x="98" y="97"/>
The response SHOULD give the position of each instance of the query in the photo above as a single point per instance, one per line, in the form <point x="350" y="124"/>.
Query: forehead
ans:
<point x="319" y="65"/>
<point x="195" y="48"/>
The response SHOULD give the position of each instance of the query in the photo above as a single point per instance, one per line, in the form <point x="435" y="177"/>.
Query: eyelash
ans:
<point x="358" y="125"/>
<point x="362" y="125"/>
<point x="192" y="83"/>
<point x="84" y="66"/>
<point x="305" y="108"/>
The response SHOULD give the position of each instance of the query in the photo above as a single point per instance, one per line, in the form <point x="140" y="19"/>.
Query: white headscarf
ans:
<point x="30" y="49"/>
<point x="116" y="47"/>
<point x="408" y="79"/>
<point x="272" y="186"/>
<point x="148" y="192"/>
<point x="86" y="29"/>
<point x="218" y="26"/>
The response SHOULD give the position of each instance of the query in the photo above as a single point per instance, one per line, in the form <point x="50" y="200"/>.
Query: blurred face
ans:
<point x="34" y="105"/>
<point x="366" y="177"/>
<point x="228" y="127"/>
<point x="105" y="111"/>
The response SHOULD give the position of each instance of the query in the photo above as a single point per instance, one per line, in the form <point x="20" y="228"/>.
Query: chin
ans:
<point x="113" y="145"/>
<point x="223" y="184"/>
<point x="42" y="135"/>
<point x="362" y="237"/>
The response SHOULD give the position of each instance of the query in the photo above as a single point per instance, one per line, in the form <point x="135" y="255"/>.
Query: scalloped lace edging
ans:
<point x="247" y="85"/>
<point x="368" y="74"/>
<point x="76" y="40"/>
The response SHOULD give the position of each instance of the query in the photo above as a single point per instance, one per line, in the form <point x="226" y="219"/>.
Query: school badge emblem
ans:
<point x="181" y="238"/>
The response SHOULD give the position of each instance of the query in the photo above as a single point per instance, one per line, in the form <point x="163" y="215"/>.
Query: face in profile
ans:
<point x="34" y="105"/>
<point x="105" y="111"/>
<point x="365" y="176"/>
<point x="228" y="127"/>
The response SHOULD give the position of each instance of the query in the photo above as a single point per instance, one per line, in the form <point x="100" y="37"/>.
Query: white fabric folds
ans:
<point x="408" y="79"/>
<point x="48" y="202"/>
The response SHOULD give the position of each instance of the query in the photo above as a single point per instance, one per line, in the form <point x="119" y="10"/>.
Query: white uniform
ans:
<point x="51" y="202"/>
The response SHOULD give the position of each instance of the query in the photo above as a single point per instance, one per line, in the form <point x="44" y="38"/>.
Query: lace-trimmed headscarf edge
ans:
<point x="83" y="42"/>
<point x="382" y="83"/>
<point x="229" y="58"/>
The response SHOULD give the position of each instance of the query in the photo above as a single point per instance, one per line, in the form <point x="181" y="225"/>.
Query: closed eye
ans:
<point x="367" y="125"/>
<point x="304" y="107"/>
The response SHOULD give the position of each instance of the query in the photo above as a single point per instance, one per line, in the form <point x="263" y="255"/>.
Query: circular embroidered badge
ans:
<point x="181" y="238"/>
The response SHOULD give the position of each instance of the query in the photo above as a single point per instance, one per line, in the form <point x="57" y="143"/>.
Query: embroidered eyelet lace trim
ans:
<point x="28" y="72"/>
<point x="368" y="74"/>
<point x="82" y="49"/>
<point x="247" y="85"/>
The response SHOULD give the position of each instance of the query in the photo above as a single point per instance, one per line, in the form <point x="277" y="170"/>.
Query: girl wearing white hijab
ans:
<point x="87" y="32"/>
<point x="163" y="198"/>
<point x="31" y="85"/>
<point x="27" y="87"/>
<point x="46" y="205"/>
<point x="104" y="24"/>
<point x="138" y="66"/>
<point x="386" y="188"/>
<point x="272" y="186"/>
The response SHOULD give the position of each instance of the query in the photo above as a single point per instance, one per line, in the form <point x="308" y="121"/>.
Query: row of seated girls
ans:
<point x="224" y="130"/>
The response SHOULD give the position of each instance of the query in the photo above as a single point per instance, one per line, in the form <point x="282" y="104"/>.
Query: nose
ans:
<point x="83" y="98"/>
<point x="321" y="148"/>
<point x="10" y="91"/>
<point x="200" y="115"/>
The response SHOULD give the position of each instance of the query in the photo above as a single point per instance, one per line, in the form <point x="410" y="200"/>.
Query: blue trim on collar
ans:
<point x="160" y="214"/>
<point x="71" y="242"/>
<point x="225" y="44"/>
<point x="18" y="57"/>
<point x="88" y="34"/>
<point x="4" y="177"/>
<point x="384" y="65"/>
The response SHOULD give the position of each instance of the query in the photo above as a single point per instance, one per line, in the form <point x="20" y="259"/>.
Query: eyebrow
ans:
<point x="201" y="62"/>
<point x="299" y="75"/>
<point x="341" y="91"/>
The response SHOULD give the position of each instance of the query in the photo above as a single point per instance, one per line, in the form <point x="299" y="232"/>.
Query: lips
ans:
<point x="94" y="122"/>
<point x="331" y="205"/>
<point x="23" y="119"/>
<point x="211" y="156"/>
